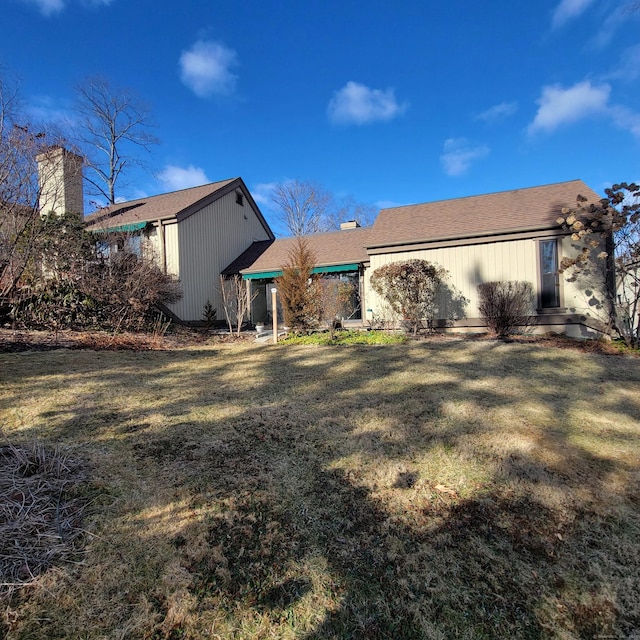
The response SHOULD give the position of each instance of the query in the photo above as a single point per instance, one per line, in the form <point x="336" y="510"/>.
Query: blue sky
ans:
<point x="391" y="103"/>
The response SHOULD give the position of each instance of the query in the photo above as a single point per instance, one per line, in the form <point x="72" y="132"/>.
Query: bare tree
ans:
<point x="349" y="209"/>
<point x="236" y="301"/>
<point x="114" y="126"/>
<point x="302" y="206"/>
<point x="307" y="207"/>
<point x="22" y="228"/>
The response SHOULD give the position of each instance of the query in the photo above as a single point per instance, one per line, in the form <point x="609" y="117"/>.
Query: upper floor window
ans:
<point x="239" y="198"/>
<point x="549" y="277"/>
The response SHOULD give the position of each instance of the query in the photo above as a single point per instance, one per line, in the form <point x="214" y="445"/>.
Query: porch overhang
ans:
<point x="126" y="228"/>
<point x="334" y="268"/>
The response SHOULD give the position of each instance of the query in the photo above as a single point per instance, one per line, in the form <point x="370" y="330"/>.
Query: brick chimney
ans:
<point x="60" y="178"/>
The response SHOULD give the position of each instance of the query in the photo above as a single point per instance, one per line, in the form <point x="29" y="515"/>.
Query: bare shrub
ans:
<point x="505" y="305"/>
<point x="236" y="301"/>
<point x="334" y="301"/>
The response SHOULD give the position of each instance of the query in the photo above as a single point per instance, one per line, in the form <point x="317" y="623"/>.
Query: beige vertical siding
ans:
<point x="172" y="251"/>
<point x="205" y="243"/>
<point x="471" y="265"/>
<point x="154" y="238"/>
<point x="585" y="295"/>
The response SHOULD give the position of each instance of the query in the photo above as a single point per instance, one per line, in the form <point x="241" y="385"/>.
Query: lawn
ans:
<point x="452" y="489"/>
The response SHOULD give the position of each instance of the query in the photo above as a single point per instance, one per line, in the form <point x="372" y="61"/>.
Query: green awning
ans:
<point x="132" y="226"/>
<point x="269" y="275"/>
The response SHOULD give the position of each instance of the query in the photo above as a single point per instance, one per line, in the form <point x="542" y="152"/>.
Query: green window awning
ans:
<point x="269" y="275"/>
<point x="132" y="226"/>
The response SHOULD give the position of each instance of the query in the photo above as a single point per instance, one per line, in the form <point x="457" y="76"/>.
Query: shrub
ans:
<point x="297" y="293"/>
<point x="410" y="289"/>
<point x="505" y="305"/>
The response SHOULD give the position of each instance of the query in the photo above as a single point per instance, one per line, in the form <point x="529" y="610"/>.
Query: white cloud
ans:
<point x="206" y="69"/>
<point x="567" y="10"/>
<point x="174" y="178"/>
<point x="459" y="153"/>
<point x="498" y="112"/>
<point x="558" y="106"/>
<point x="357" y="104"/>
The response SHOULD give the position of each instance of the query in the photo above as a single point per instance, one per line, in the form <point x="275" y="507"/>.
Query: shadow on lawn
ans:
<point x="529" y="551"/>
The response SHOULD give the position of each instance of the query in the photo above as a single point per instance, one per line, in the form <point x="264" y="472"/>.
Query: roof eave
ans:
<point x="467" y="236"/>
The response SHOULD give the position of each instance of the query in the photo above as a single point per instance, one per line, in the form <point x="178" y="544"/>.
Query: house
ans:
<point x="200" y="233"/>
<point x="192" y="234"/>
<point x="510" y="235"/>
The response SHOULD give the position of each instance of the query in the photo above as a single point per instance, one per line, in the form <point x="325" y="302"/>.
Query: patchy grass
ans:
<point x="347" y="338"/>
<point x="452" y="489"/>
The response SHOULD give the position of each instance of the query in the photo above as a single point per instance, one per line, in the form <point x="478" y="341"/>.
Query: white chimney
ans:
<point x="350" y="224"/>
<point x="60" y="179"/>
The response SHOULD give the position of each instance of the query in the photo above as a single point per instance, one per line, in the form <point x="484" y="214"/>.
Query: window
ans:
<point x="549" y="279"/>
<point x="239" y="198"/>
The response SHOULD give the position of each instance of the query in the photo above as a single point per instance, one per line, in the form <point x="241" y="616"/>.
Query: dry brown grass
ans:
<point x="469" y="489"/>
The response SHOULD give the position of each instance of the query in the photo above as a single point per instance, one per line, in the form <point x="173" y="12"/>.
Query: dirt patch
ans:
<point x="177" y="338"/>
<point x="180" y="337"/>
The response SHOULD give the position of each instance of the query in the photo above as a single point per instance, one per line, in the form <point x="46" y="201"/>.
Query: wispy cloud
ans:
<point x="47" y="7"/>
<point x="174" y="178"/>
<point x="47" y="110"/>
<point x="558" y="106"/>
<point x="626" y="118"/>
<point x="50" y="7"/>
<point x="358" y="104"/>
<point x="567" y="10"/>
<point x="621" y="17"/>
<point x="262" y="193"/>
<point x="628" y="68"/>
<point x="387" y="204"/>
<point x="498" y="112"/>
<point x="206" y="69"/>
<point x="459" y="153"/>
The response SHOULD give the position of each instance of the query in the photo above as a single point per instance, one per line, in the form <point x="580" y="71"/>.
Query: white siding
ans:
<point x="206" y="242"/>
